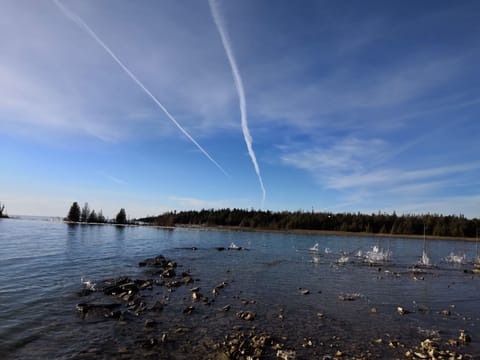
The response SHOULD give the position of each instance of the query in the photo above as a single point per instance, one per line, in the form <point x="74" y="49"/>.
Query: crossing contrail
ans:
<point x="218" y="19"/>
<point x="78" y="20"/>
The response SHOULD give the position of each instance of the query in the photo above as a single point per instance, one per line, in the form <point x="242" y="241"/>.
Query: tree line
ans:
<point x="380" y="223"/>
<point x="85" y="215"/>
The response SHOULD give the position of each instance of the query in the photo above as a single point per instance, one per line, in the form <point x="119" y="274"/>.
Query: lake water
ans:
<point x="296" y="294"/>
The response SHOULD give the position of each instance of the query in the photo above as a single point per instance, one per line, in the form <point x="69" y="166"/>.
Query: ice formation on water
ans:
<point x="314" y="248"/>
<point x="89" y="285"/>
<point x="425" y="260"/>
<point x="377" y="255"/>
<point x="343" y="259"/>
<point x="456" y="259"/>
<point x="233" y="246"/>
<point x="476" y="260"/>
<point x="359" y="253"/>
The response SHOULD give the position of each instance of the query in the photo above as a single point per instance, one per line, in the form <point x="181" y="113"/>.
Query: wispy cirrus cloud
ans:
<point x="71" y="88"/>
<point x="345" y="155"/>
<point x="392" y="177"/>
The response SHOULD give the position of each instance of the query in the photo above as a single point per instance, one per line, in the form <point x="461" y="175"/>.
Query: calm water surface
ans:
<point x="42" y="264"/>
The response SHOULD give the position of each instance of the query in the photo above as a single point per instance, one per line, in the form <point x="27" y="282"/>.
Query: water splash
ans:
<point x="453" y="258"/>
<point x="377" y="255"/>
<point x="476" y="261"/>
<point x="88" y="284"/>
<point x="328" y="250"/>
<point x="314" y="248"/>
<point x="233" y="246"/>
<point x="425" y="260"/>
<point x="342" y="260"/>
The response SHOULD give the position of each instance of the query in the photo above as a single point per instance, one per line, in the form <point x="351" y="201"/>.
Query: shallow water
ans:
<point x="42" y="264"/>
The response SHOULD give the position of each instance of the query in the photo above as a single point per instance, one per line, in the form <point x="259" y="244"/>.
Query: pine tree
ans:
<point x="121" y="217"/>
<point x="2" y="209"/>
<point x="85" y="213"/>
<point x="92" y="218"/>
<point x="100" y="217"/>
<point x="74" y="213"/>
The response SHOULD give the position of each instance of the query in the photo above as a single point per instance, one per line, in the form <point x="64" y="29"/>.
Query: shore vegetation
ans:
<point x="85" y="215"/>
<point x="435" y="225"/>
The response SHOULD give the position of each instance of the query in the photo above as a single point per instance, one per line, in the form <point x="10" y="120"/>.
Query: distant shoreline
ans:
<point x="315" y="232"/>
<point x="273" y="231"/>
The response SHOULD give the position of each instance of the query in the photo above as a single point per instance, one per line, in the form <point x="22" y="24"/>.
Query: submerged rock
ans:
<point x="464" y="337"/>
<point x="246" y="315"/>
<point x="402" y="311"/>
<point x="286" y="354"/>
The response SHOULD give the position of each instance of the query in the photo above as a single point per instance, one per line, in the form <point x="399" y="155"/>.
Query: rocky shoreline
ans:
<point x="170" y="313"/>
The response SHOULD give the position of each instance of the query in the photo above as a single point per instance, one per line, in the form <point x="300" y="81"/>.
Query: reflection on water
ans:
<point x="297" y="293"/>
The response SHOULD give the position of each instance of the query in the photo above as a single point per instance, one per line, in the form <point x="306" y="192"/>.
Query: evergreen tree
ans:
<point x="2" y="209"/>
<point x="85" y="213"/>
<point x="100" y="217"/>
<point x="92" y="218"/>
<point x="74" y="213"/>
<point x="121" y="217"/>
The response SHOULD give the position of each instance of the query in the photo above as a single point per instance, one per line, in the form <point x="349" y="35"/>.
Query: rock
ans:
<point x="445" y="312"/>
<point x="188" y="310"/>
<point x="402" y="311"/>
<point x="246" y="315"/>
<point x="373" y="310"/>
<point x="307" y="342"/>
<point x="286" y="354"/>
<point x="226" y="307"/>
<point x="305" y="291"/>
<point x="420" y="355"/>
<point x="168" y="273"/>
<point x="149" y="324"/>
<point x="221" y="285"/>
<point x="464" y="338"/>
<point x="215" y="292"/>
<point x="452" y="342"/>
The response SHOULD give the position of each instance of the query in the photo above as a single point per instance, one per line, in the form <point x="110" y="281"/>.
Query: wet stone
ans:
<point x="246" y="315"/>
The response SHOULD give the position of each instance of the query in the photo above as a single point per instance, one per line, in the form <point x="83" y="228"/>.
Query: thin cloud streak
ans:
<point x="222" y="30"/>
<point x="76" y="19"/>
<point x="375" y="178"/>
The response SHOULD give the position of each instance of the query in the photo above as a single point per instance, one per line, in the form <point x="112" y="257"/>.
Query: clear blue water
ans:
<point x="42" y="264"/>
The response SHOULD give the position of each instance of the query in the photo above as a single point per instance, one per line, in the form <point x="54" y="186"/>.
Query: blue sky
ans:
<point x="352" y="106"/>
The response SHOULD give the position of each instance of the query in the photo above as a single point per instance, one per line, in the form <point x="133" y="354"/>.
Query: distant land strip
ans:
<point x="379" y="224"/>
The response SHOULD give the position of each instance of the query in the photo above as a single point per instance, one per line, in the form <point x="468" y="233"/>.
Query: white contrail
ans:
<point x="76" y="19"/>
<point x="217" y="17"/>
